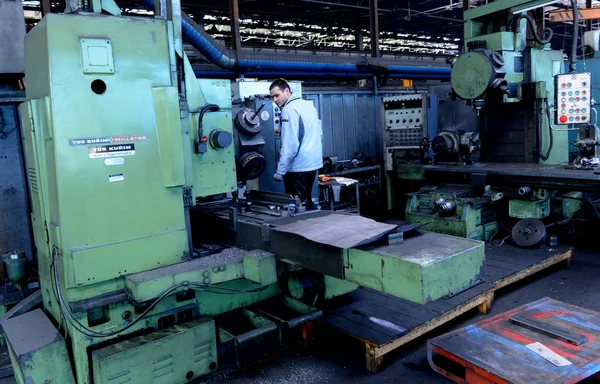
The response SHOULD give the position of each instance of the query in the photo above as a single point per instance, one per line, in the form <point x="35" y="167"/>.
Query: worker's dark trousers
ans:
<point x="301" y="184"/>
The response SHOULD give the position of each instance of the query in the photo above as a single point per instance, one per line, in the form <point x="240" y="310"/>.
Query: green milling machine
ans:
<point x="512" y="170"/>
<point x="122" y="144"/>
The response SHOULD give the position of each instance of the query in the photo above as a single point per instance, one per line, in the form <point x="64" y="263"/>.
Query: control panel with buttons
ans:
<point x="404" y="120"/>
<point x="573" y="98"/>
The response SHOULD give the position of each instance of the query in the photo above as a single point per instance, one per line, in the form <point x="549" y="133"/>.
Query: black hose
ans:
<point x="548" y="32"/>
<point x="547" y="155"/>
<point x="573" y="58"/>
<point x="203" y="110"/>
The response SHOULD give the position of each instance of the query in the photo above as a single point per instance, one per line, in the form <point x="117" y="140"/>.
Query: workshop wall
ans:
<point x="351" y="121"/>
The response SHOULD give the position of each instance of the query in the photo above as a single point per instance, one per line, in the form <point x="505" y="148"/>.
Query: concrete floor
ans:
<point x="340" y="360"/>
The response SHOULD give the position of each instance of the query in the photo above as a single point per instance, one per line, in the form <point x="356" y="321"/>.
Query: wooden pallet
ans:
<point x="502" y="355"/>
<point x="385" y="323"/>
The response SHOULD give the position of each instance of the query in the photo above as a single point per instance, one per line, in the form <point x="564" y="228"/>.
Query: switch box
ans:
<point x="573" y="98"/>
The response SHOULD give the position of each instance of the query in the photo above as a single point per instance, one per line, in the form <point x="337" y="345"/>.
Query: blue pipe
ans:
<point x="272" y="75"/>
<point x="227" y="59"/>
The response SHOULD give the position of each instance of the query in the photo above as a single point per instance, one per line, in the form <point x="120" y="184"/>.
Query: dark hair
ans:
<point x="281" y="84"/>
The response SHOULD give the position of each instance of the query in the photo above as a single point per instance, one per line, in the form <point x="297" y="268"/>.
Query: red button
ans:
<point x="563" y="119"/>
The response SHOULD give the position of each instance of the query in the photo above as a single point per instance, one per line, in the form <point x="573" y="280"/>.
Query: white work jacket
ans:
<point x="301" y="137"/>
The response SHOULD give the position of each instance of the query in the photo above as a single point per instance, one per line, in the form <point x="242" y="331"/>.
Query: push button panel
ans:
<point x="573" y="98"/>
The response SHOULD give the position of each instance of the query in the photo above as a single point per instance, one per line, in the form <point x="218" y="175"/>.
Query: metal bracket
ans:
<point x="184" y="111"/>
<point x="265" y="232"/>
<point x="188" y="197"/>
<point x="476" y="282"/>
<point x="396" y="238"/>
<point x="233" y="219"/>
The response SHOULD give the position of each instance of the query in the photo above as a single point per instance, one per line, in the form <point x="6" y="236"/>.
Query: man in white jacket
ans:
<point x="301" y="152"/>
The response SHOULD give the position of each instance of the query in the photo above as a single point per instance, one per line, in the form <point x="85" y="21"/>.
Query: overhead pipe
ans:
<point x="244" y="61"/>
<point x="298" y="74"/>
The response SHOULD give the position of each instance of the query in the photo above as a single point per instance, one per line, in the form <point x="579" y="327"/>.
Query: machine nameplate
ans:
<point x="114" y="177"/>
<point x="111" y="151"/>
<point x="114" y="161"/>
<point x="107" y="140"/>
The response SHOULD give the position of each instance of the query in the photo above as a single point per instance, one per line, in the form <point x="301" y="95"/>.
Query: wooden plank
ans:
<point x="436" y="322"/>
<point x="533" y="269"/>
<point x="496" y="273"/>
<point x="365" y="319"/>
<point x="464" y="296"/>
<point x="421" y="312"/>
<point x="504" y="267"/>
<point x="523" y="260"/>
<point x="401" y="319"/>
<point x="355" y="330"/>
<point x="490" y="262"/>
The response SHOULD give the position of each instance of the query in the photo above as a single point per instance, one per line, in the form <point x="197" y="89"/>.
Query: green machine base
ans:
<point x="425" y="267"/>
<point x="454" y="211"/>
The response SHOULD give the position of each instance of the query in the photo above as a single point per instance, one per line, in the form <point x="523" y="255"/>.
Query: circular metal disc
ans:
<point x="471" y="75"/>
<point x="528" y="232"/>
<point x="252" y="165"/>
<point x="245" y="124"/>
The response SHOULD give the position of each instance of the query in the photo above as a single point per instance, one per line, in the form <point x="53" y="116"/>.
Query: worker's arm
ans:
<point x="290" y="127"/>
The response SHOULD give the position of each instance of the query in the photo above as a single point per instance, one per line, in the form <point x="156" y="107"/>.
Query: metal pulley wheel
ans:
<point x="529" y="233"/>
<point x="247" y="122"/>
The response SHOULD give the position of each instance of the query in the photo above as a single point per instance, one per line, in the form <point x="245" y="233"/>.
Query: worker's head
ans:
<point x="280" y="92"/>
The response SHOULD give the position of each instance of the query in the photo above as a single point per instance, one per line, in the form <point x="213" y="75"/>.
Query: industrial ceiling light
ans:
<point x="535" y="6"/>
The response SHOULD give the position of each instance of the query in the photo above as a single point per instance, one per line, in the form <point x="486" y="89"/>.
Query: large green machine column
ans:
<point x="111" y="139"/>
<point x="509" y="81"/>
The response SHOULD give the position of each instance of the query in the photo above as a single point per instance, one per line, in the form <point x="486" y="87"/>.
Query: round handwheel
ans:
<point x="528" y="233"/>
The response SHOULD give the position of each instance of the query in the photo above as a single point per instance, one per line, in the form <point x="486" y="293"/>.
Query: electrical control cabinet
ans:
<point x="405" y="120"/>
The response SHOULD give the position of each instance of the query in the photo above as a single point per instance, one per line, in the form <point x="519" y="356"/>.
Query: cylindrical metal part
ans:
<point x="247" y="122"/>
<point x="15" y="264"/>
<point x="447" y="208"/>
<point x="528" y="233"/>
<point x="446" y="142"/>
<point x="220" y="139"/>
<point x="252" y="165"/>
<point x="253" y="117"/>
<point x="438" y="201"/>
<point x="304" y="284"/>
<point x="525" y="191"/>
